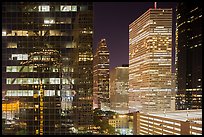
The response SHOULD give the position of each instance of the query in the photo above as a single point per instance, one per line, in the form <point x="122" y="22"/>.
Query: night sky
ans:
<point x="111" y="21"/>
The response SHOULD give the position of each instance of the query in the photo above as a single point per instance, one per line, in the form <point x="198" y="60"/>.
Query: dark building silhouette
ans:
<point x="189" y="55"/>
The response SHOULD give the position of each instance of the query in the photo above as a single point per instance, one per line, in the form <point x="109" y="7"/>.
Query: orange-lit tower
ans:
<point x="150" y="57"/>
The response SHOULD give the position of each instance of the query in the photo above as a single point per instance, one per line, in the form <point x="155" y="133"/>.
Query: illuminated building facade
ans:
<point x="119" y="78"/>
<point x="45" y="48"/>
<point x="101" y="76"/>
<point x="10" y="118"/>
<point x="189" y="55"/>
<point x="123" y="123"/>
<point x="179" y="122"/>
<point x="9" y="110"/>
<point x="150" y="58"/>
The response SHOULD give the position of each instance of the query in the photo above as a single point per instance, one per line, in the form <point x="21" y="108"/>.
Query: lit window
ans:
<point x="29" y="81"/>
<point x="8" y="69"/>
<point x="24" y="56"/>
<point x="30" y="92"/>
<point x="58" y="92"/>
<point x="30" y="68"/>
<point x="44" y="8"/>
<point x="74" y="8"/>
<point x="54" y="80"/>
<point x="46" y="21"/>
<point x="3" y="33"/>
<point x="83" y="8"/>
<point x="20" y="81"/>
<point x="12" y="45"/>
<point x="49" y="21"/>
<point x="65" y="8"/>
<point x="36" y="81"/>
<point x="65" y="81"/>
<point x="55" y="33"/>
<point x="20" y="93"/>
<point x="12" y="69"/>
<point x="49" y="93"/>
<point x="68" y="8"/>
<point x="19" y="56"/>
<point x="8" y="80"/>
<point x="87" y="32"/>
<point x="72" y="81"/>
<point x="64" y="20"/>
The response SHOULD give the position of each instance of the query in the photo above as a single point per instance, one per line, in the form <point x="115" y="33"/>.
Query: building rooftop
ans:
<point x="182" y="115"/>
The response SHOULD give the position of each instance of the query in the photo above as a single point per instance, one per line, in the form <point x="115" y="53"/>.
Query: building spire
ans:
<point x="155" y="5"/>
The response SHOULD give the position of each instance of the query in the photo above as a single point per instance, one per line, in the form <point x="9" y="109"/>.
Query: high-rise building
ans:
<point x="83" y="100"/>
<point x="189" y="55"/>
<point x="150" y="58"/>
<point x="47" y="64"/>
<point x="101" y="76"/>
<point x="119" y="77"/>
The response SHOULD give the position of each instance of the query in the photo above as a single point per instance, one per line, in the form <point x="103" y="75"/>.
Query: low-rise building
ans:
<point x="180" y="122"/>
<point x="123" y="123"/>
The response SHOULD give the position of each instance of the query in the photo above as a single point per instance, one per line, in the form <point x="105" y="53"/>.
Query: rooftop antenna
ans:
<point x="155" y="5"/>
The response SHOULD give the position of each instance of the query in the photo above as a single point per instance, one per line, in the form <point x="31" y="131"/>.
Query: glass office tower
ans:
<point x="47" y="65"/>
<point x="189" y="55"/>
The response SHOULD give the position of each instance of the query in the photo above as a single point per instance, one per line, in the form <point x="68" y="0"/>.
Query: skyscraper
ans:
<point x="101" y="76"/>
<point x="119" y="89"/>
<point x="46" y="47"/>
<point x="189" y="55"/>
<point x="150" y="58"/>
<point x="83" y="100"/>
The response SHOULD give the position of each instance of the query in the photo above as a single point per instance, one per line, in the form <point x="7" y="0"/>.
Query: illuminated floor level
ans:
<point x="181" y="122"/>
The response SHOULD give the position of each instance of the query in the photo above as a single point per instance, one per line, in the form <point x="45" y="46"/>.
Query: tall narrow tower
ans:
<point x="150" y="56"/>
<point x="101" y="76"/>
